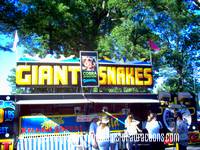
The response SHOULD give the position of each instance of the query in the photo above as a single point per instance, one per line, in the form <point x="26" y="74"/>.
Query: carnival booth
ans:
<point x="63" y="96"/>
<point x="57" y="120"/>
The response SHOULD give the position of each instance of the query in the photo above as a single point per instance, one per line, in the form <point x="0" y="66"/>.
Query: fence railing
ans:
<point x="64" y="141"/>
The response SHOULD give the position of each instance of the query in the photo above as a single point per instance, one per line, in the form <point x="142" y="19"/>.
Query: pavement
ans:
<point x="190" y="147"/>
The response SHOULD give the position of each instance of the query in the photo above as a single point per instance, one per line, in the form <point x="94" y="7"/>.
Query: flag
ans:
<point x="16" y="40"/>
<point x="153" y="46"/>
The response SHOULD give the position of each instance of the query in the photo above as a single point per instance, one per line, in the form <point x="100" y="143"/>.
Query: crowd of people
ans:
<point x="99" y="132"/>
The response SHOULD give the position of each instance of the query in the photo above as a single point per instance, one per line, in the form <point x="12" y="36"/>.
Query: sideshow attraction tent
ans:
<point x="54" y="119"/>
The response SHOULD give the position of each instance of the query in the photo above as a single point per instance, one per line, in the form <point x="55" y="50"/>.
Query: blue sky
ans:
<point x="7" y="63"/>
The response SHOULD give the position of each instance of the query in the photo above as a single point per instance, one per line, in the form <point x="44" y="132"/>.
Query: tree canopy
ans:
<point x="115" y="28"/>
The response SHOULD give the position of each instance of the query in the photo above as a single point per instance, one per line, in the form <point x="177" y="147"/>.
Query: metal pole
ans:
<point x="109" y="114"/>
<point x="150" y="57"/>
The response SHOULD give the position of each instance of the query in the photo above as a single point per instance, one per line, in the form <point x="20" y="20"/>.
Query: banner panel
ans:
<point x="63" y="123"/>
<point x="7" y="116"/>
<point x="89" y="69"/>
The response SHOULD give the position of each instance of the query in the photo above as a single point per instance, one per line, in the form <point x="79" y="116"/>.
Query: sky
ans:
<point x="8" y="62"/>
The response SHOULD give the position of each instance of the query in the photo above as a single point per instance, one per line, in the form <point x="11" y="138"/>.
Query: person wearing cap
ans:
<point x="132" y="129"/>
<point x="103" y="134"/>
<point x="92" y="133"/>
<point x="182" y="130"/>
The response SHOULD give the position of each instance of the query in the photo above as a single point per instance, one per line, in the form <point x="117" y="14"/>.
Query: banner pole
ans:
<point x="109" y="114"/>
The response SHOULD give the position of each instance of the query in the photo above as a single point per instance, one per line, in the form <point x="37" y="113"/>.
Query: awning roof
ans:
<point x="84" y="101"/>
<point x="55" y="101"/>
<point x="80" y="98"/>
<point x="125" y="101"/>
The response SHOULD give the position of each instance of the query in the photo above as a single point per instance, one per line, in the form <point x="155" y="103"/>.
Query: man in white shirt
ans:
<point x="153" y="127"/>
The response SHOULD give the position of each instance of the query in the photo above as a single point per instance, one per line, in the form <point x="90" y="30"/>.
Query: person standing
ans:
<point x="132" y="129"/>
<point x="153" y="127"/>
<point x="92" y="134"/>
<point x="103" y="134"/>
<point x="182" y="130"/>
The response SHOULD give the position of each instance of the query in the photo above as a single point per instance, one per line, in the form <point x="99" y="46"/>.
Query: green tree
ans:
<point x="115" y="28"/>
<point x="67" y="27"/>
<point x="180" y="41"/>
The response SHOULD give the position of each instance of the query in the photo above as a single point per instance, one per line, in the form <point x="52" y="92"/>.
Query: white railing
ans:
<point x="65" y="141"/>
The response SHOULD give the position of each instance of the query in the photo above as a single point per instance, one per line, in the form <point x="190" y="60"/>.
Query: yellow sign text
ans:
<point x="49" y="74"/>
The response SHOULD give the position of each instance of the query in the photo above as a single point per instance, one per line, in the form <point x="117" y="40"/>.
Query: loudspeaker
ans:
<point x="184" y="96"/>
<point x="105" y="108"/>
<point x="77" y="110"/>
<point x="125" y="111"/>
<point x="164" y="96"/>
